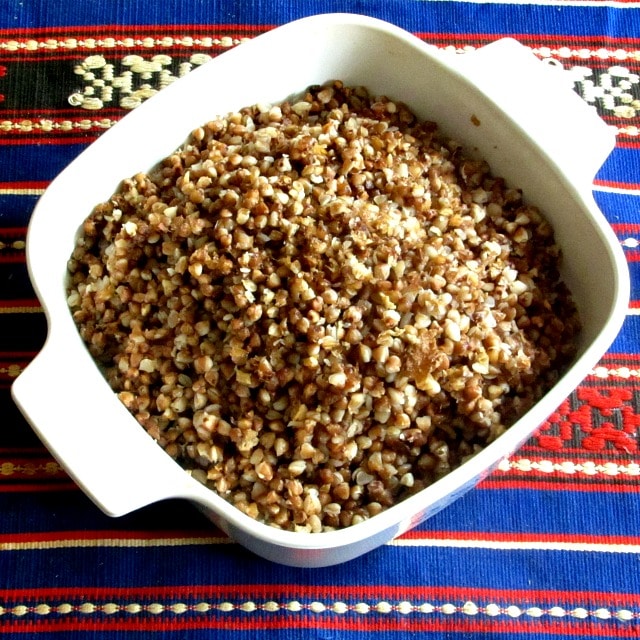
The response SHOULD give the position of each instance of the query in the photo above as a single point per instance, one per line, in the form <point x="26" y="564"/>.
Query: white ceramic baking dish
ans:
<point x="515" y="111"/>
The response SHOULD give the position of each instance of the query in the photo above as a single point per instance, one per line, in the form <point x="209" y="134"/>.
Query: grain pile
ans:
<point x="321" y="307"/>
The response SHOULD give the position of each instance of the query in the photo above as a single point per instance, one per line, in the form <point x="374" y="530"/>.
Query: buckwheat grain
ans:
<point x="321" y="307"/>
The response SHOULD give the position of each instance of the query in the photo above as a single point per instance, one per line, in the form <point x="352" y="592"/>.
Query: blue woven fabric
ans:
<point x="547" y="546"/>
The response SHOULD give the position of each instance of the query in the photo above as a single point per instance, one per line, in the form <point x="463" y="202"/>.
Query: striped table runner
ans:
<point x="548" y="546"/>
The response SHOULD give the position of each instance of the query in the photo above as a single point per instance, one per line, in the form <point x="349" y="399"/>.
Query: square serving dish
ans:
<point x="501" y="102"/>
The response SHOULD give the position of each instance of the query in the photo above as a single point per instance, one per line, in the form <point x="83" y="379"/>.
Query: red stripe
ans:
<point x="607" y="115"/>
<point x="27" y="184"/>
<point x="603" y="65"/>
<point x="60" y="140"/>
<point x="626" y="227"/>
<point x="614" y="355"/>
<point x="623" y="143"/>
<point x="20" y="302"/>
<point x="578" y="453"/>
<point x="65" y="113"/>
<point x="13" y="356"/>
<point x="540" y="39"/>
<point x="13" y="231"/>
<point x="333" y="622"/>
<point x="551" y="538"/>
<point x="17" y="258"/>
<point x="63" y="54"/>
<point x="375" y="592"/>
<point x="107" y="31"/>
<point x="54" y="536"/>
<point x="22" y="450"/>
<point x="40" y="487"/>
<point x="632" y="186"/>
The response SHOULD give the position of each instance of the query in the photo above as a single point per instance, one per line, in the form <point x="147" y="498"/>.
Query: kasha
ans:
<point x="322" y="307"/>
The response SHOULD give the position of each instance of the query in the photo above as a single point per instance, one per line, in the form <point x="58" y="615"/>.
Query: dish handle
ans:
<point x="541" y="99"/>
<point x="120" y="468"/>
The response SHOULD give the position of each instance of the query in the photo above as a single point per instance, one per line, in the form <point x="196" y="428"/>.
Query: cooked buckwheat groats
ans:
<point x="320" y="307"/>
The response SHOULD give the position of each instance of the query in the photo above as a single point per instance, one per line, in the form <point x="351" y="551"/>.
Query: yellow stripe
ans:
<point x="21" y="192"/>
<point x="9" y="310"/>
<point x="124" y="543"/>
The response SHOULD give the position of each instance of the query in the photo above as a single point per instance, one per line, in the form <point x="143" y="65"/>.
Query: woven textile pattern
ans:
<point x="547" y="546"/>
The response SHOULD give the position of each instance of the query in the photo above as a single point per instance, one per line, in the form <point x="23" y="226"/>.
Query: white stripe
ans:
<point x="622" y="372"/>
<point x="622" y="190"/>
<point x="587" y="468"/>
<point x="519" y="545"/>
